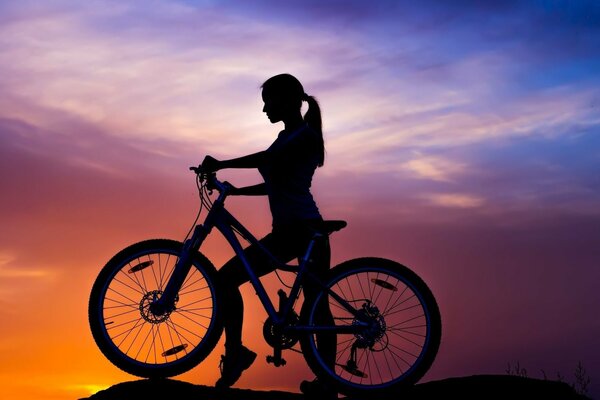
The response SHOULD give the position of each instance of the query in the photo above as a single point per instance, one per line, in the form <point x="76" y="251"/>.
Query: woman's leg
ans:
<point x="284" y="244"/>
<point x="326" y="343"/>
<point x="238" y="358"/>
<point x="231" y="276"/>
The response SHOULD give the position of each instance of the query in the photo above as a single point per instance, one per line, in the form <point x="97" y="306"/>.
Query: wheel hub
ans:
<point x="375" y="331"/>
<point x="146" y="309"/>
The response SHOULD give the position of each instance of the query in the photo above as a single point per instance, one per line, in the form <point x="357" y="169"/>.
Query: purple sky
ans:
<point x="463" y="139"/>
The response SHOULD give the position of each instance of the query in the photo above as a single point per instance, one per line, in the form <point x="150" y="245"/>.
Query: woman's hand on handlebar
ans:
<point x="231" y="190"/>
<point x="210" y="164"/>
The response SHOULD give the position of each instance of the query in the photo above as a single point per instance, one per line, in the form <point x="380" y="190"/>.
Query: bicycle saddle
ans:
<point x="328" y="227"/>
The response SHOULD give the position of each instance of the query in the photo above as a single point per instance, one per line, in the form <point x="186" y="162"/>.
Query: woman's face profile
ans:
<point x="272" y="107"/>
<point x="278" y="107"/>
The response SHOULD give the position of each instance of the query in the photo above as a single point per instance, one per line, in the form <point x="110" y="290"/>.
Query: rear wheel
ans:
<point x="403" y="334"/>
<point x="139" y="341"/>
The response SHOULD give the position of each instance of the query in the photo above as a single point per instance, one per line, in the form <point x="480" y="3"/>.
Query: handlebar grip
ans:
<point x="210" y="177"/>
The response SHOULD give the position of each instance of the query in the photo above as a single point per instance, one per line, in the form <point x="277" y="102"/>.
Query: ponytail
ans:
<point x="313" y="119"/>
<point x="288" y="88"/>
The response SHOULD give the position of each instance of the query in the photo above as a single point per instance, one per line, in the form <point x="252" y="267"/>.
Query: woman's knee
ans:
<point x="232" y="274"/>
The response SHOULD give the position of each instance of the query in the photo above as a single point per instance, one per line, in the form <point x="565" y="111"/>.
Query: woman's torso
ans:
<point x="290" y="165"/>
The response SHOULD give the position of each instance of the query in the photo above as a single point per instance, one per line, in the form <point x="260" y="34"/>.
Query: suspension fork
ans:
<point x="166" y="302"/>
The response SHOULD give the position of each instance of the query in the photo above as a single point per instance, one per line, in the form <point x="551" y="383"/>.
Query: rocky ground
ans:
<point x="471" y="387"/>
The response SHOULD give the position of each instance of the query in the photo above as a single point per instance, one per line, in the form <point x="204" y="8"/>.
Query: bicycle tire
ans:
<point x="134" y="339"/>
<point x="402" y="342"/>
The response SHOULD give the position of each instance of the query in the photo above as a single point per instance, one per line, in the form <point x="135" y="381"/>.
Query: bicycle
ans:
<point x="154" y="309"/>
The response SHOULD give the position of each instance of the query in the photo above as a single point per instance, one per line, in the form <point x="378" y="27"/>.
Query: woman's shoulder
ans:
<point x="306" y="133"/>
<point x="296" y="143"/>
<point x="302" y="134"/>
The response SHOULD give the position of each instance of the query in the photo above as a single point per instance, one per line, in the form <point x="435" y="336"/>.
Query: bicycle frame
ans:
<point x="368" y="325"/>
<point x="227" y="224"/>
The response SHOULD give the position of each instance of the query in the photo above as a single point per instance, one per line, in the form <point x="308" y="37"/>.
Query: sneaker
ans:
<point x="232" y="366"/>
<point x="317" y="389"/>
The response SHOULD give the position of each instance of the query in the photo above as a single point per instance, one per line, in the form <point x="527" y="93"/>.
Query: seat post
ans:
<point x="311" y="244"/>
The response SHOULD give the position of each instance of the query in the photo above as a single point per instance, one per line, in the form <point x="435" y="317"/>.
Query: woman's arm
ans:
<point x="255" y="190"/>
<point x="249" y="161"/>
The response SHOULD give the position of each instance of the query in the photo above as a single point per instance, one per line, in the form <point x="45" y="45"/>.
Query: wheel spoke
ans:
<point x="140" y="340"/>
<point x="396" y="321"/>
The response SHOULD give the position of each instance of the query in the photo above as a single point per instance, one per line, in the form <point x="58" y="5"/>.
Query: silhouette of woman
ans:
<point x="287" y="168"/>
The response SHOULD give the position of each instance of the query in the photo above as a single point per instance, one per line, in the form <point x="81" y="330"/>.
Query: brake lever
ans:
<point x="202" y="175"/>
<point x="210" y="176"/>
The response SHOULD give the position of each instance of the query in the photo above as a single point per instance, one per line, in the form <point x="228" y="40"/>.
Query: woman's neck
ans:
<point x="293" y="122"/>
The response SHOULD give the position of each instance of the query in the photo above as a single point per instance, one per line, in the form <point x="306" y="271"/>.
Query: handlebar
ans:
<point x="210" y="177"/>
<point x="198" y="170"/>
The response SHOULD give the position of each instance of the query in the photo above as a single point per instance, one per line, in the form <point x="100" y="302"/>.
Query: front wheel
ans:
<point x="402" y="328"/>
<point x="139" y="341"/>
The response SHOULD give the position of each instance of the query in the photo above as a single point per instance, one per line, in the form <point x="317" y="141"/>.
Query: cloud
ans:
<point x="190" y="72"/>
<point x="7" y="273"/>
<point x="18" y="275"/>
<point x="455" y="200"/>
<point x="435" y="168"/>
<point x="8" y="269"/>
<point x="177" y="79"/>
<point x="165" y="71"/>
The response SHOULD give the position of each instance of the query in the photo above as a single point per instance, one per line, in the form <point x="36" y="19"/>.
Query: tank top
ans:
<point x="290" y="163"/>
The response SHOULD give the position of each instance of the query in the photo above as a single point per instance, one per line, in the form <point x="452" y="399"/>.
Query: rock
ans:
<point x="464" y="388"/>
<point x="493" y="387"/>
<point x="170" y="389"/>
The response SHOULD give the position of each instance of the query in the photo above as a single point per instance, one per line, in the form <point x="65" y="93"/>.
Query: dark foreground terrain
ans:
<point x="472" y="387"/>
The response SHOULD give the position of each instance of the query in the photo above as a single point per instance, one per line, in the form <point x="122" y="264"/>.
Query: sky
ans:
<point x="462" y="140"/>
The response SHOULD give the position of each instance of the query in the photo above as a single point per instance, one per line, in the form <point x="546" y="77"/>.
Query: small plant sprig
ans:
<point x="581" y="384"/>
<point x="516" y="370"/>
<point x="582" y="380"/>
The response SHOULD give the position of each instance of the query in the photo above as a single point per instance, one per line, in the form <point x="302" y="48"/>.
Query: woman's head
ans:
<point x="285" y="88"/>
<point x="283" y="95"/>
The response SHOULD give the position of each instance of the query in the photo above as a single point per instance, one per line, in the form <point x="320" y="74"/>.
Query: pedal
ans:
<point x="354" y="371"/>
<point x="274" y="337"/>
<point x="282" y="299"/>
<point x="276" y="361"/>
